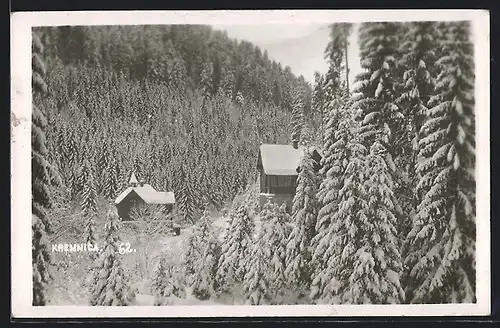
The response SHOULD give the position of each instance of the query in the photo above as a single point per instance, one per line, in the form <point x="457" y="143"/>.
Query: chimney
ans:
<point x="141" y="183"/>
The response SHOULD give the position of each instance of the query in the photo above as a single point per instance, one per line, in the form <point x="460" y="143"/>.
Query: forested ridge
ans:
<point x="390" y="217"/>
<point x="152" y="99"/>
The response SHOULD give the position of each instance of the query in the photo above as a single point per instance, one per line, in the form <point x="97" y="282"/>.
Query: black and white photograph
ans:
<point x="221" y="162"/>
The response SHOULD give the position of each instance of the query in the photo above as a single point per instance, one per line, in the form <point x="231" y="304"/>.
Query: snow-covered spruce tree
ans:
<point x="418" y="55"/>
<point x="112" y="285"/>
<point x="442" y="256"/>
<point x="89" y="193"/>
<point x="377" y="266"/>
<point x="375" y="89"/>
<point x="335" y="84"/>
<point x="334" y="163"/>
<point x="338" y="236"/>
<point x="43" y="174"/>
<point x="205" y="252"/>
<point x="335" y="113"/>
<point x="159" y="281"/>
<point x="206" y="79"/>
<point x="90" y="238"/>
<point x="236" y="247"/>
<point x="266" y="213"/>
<point x="110" y="178"/>
<point x="375" y="94"/>
<point x="102" y="165"/>
<point x="191" y="256"/>
<point x="188" y="195"/>
<point x="336" y="53"/>
<point x="417" y="59"/>
<point x="166" y="283"/>
<point x="41" y="261"/>
<point x="304" y="215"/>
<point x="317" y="101"/>
<point x="89" y="204"/>
<point x="256" y="283"/>
<point x="297" y="123"/>
<point x="275" y="236"/>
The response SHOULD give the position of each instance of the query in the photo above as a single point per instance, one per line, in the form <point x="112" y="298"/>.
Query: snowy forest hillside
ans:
<point x="388" y="219"/>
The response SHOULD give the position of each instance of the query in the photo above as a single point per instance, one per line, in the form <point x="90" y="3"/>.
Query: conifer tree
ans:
<point x="377" y="86"/>
<point x="42" y="170"/>
<point x="333" y="163"/>
<point x="43" y="174"/>
<point x="378" y="264"/>
<point x="204" y="284"/>
<point x="318" y="98"/>
<point x="89" y="206"/>
<point x="256" y="283"/>
<point x="41" y="260"/>
<point x="267" y="212"/>
<point x="338" y="234"/>
<point x="206" y="79"/>
<point x="110" y="178"/>
<point x="89" y="203"/>
<point x="187" y="194"/>
<point x="166" y="282"/>
<point x="236" y="247"/>
<point x="112" y="285"/>
<point x="89" y="193"/>
<point x="418" y="57"/>
<point x="337" y="54"/>
<point x="191" y="256"/>
<point x="90" y="231"/>
<point x="375" y="102"/>
<point x="297" y="123"/>
<point x="274" y="238"/>
<point x="442" y="255"/>
<point x="304" y="215"/>
<point x="101" y="167"/>
<point x="160" y="280"/>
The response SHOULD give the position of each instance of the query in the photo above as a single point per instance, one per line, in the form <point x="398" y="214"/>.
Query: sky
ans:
<point x="300" y="46"/>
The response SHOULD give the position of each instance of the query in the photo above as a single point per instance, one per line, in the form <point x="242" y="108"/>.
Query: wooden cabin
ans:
<point x="139" y="194"/>
<point x="278" y="167"/>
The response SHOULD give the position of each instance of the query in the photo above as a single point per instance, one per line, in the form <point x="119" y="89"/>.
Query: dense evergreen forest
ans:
<point x="150" y="99"/>
<point x="390" y="218"/>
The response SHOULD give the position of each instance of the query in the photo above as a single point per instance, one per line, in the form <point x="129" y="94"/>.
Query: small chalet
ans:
<point x="140" y="193"/>
<point x="279" y="166"/>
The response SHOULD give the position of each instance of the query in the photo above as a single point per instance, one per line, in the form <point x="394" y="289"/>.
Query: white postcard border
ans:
<point x="21" y="24"/>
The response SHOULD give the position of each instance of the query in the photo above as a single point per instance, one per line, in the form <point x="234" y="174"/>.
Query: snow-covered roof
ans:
<point x="148" y="194"/>
<point x="282" y="159"/>
<point x="279" y="159"/>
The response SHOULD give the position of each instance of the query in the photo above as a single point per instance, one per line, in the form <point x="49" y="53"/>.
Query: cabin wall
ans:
<point x="263" y="182"/>
<point x="280" y="184"/>
<point x="133" y="200"/>
<point x="277" y="189"/>
<point x="126" y="205"/>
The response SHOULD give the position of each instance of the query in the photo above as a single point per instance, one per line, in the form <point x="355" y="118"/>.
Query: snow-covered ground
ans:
<point x="68" y="288"/>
